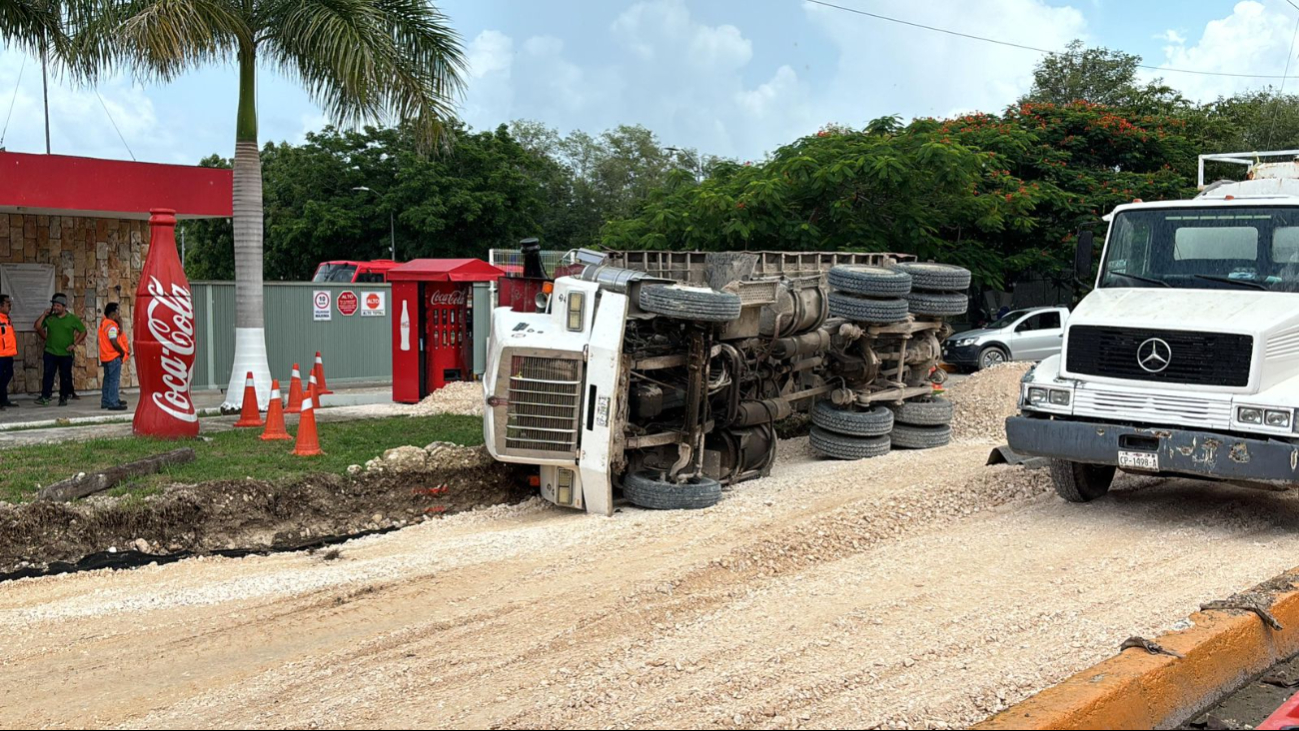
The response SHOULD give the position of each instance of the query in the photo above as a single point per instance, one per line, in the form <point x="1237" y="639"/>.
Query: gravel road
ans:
<point x="920" y="589"/>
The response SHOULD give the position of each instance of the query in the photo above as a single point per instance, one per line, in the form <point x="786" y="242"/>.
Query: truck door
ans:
<point x="1038" y="336"/>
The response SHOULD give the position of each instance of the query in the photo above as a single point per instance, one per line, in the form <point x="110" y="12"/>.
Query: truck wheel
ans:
<point x="907" y="436"/>
<point x="938" y="304"/>
<point x="690" y="303"/>
<point x="992" y="356"/>
<point x="840" y="446"/>
<point x="876" y="422"/>
<point x="860" y="309"/>
<point x="936" y="277"/>
<point x="1081" y="483"/>
<point x="646" y="492"/>
<point x="870" y="281"/>
<point x="926" y="411"/>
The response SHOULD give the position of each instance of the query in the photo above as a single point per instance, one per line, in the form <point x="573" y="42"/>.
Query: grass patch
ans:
<point x="230" y="455"/>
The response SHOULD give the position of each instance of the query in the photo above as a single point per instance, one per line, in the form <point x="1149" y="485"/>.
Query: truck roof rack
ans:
<point x="1241" y="158"/>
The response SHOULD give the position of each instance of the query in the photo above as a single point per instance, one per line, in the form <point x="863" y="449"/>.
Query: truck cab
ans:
<point x="1184" y="359"/>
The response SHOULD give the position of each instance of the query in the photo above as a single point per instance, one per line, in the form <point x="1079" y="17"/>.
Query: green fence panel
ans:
<point x="355" y="348"/>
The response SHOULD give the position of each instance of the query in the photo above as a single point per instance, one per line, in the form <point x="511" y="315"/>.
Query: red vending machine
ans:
<point x="432" y="336"/>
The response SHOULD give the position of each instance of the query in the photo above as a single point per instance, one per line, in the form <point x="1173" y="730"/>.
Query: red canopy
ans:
<point x="445" y="270"/>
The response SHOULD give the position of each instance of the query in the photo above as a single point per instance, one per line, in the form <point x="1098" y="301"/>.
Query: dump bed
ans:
<point x="716" y="268"/>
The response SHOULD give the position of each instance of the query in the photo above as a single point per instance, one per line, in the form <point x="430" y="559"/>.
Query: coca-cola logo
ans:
<point x="452" y="297"/>
<point x="171" y="323"/>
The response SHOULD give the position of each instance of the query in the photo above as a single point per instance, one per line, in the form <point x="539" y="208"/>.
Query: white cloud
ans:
<point x="1171" y="36"/>
<point x="707" y="86"/>
<point x="885" y="68"/>
<point x="79" y="124"/>
<point x="1252" y="40"/>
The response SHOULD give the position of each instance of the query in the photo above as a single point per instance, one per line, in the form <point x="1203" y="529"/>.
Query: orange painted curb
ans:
<point x="1136" y="690"/>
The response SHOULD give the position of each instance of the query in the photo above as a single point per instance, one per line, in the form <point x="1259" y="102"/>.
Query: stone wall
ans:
<point x="96" y="261"/>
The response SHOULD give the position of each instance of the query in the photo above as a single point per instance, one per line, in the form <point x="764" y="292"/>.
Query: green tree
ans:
<point x="360" y="59"/>
<point x="1097" y="75"/>
<point x="1000" y="194"/>
<point x="481" y="193"/>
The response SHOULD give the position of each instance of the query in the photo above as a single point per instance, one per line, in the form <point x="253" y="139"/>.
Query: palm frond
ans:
<point x="158" y="38"/>
<point x="369" y="60"/>
<point x="33" y="24"/>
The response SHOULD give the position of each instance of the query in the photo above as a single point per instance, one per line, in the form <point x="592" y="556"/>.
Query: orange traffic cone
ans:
<point x="249" y="416"/>
<point x="275" y="430"/>
<point x="319" y="371"/>
<point x="308" y="444"/>
<point x="295" y="392"/>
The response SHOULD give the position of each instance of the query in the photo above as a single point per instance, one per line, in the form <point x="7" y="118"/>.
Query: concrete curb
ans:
<point x="1223" y="651"/>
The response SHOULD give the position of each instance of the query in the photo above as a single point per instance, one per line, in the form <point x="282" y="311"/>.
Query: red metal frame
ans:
<point x="65" y="185"/>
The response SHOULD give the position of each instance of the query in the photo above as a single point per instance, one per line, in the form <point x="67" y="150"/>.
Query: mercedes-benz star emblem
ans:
<point x="1154" y="355"/>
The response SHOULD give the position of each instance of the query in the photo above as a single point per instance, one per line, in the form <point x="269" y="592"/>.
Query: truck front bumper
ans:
<point x="1180" y="451"/>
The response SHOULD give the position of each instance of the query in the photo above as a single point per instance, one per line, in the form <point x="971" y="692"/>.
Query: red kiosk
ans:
<point x="432" y="323"/>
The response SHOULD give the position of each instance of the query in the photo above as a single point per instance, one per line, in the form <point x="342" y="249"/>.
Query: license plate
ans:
<point x="1139" y="460"/>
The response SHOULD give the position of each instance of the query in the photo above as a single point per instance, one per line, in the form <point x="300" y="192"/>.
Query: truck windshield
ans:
<point x="1204" y="248"/>
<point x="334" y="273"/>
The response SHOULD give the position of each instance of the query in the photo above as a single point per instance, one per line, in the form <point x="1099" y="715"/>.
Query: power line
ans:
<point x="115" y="129"/>
<point x="1277" y="102"/>
<point x="13" y="101"/>
<point x="1034" y="48"/>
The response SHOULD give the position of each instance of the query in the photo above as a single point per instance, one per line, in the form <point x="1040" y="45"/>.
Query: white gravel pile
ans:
<point x="458" y="397"/>
<point x="985" y="400"/>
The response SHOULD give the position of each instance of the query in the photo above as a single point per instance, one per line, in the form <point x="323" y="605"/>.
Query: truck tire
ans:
<point x="870" y="281"/>
<point x="926" y="411"/>
<point x="936" y="277"/>
<point x="647" y="492"/>
<point x="861" y="309"/>
<point x="876" y="422"/>
<point x="938" y="304"/>
<point x="840" y="446"/>
<point x="907" y="436"/>
<point x="690" y="303"/>
<point x="1081" y="483"/>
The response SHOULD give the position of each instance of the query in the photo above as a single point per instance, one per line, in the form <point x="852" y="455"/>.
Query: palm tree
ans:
<point x="359" y="59"/>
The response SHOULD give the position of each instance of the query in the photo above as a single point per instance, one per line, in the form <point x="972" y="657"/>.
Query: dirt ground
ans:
<point x="919" y="589"/>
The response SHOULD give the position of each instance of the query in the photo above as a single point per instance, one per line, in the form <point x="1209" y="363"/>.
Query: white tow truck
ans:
<point x="1184" y="358"/>
<point x="663" y="374"/>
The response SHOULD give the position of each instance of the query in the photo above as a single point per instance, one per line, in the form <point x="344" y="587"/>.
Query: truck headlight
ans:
<point x="1280" y="419"/>
<point x="1060" y="398"/>
<point x="1248" y="415"/>
<point x="1037" y="396"/>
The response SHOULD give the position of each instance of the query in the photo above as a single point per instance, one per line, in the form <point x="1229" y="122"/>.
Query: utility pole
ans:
<point x="392" y="236"/>
<point x="45" y="91"/>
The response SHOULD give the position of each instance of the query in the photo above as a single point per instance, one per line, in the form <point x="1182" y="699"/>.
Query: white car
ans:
<point x="1030" y="334"/>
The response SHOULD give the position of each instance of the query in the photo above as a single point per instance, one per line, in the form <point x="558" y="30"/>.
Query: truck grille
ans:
<point x="1208" y="359"/>
<point x="1152" y="409"/>
<point x="544" y="404"/>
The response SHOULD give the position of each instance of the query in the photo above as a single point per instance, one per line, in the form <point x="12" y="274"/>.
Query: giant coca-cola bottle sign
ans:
<point x="164" y="337"/>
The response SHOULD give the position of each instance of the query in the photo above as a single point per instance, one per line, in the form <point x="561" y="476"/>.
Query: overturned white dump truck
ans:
<point x="663" y="374"/>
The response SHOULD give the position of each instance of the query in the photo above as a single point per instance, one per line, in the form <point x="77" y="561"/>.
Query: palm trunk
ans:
<point x="250" y="331"/>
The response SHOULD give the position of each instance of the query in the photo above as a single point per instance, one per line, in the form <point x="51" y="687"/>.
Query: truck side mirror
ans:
<point x="1082" y="257"/>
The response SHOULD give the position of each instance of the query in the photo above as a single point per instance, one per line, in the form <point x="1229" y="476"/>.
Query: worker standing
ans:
<point x="62" y="332"/>
<point x="112" y="355"/>
<point x="8" y="351"/>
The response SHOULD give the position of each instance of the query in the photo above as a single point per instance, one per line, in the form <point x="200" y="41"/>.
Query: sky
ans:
<point x="736" y="78"/>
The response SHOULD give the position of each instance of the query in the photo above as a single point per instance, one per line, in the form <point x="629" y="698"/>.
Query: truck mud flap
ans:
<point x="1005" y="455"/>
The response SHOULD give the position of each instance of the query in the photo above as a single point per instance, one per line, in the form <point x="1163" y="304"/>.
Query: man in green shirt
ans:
<point x="62" y="332"/>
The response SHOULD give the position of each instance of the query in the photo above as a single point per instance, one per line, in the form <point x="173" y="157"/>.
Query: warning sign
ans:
<point x="321" y="301"/>
<point x="373" y="304"/>
<point x="348" y="303"/>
